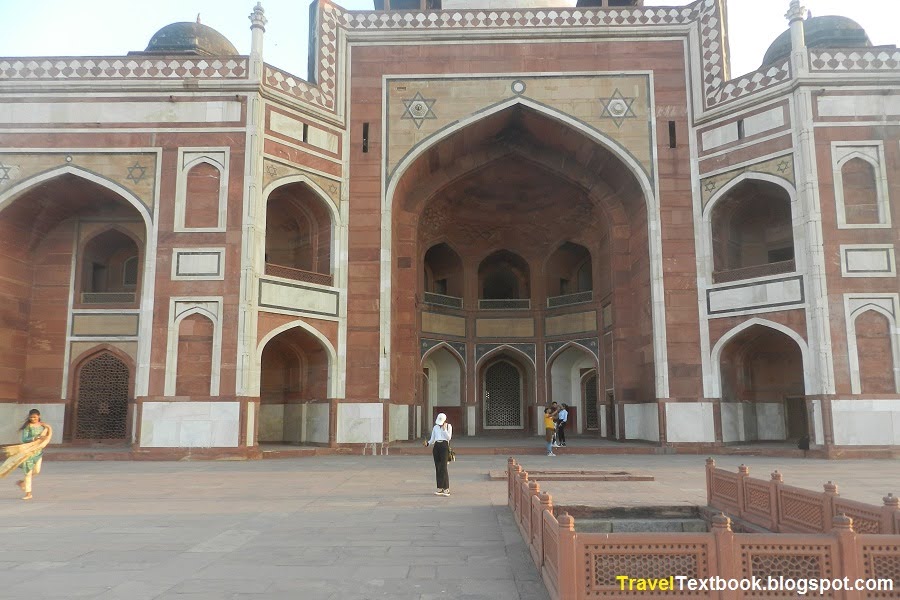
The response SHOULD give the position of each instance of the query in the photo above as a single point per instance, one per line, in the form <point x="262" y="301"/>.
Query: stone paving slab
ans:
<point x="335" y="527"/>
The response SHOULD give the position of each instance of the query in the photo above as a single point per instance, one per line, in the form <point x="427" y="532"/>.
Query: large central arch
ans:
<point x="577" y="169"/>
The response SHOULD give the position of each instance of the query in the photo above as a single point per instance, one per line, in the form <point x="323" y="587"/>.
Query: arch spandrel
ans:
<point x="275" y="172"/>
<point x="134" y="172"/>
<point x="617" y="107"/>
<point x="781" y="167"/>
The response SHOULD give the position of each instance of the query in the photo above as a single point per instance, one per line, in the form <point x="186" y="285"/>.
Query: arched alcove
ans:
<point x="110" y="266"/>
<point x="203" y="183"/>
<point x="504" y="281"/>
<point x="752" y="231"/>
<point x="763" y="388"/>
<point x="294" y="371"/>
<point x="569" y="275"/>
<point x="443" y="273"/>
<point x="299" y="235"/>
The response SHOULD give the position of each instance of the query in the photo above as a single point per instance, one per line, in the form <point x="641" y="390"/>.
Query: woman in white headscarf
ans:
<point x="440" y="443"/>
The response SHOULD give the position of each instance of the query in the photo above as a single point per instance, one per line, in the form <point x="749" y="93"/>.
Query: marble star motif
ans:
<point x="418" y="109"/>
<point x="618" y="108"/>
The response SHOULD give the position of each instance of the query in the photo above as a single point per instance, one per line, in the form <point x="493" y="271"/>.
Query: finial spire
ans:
<point x="795" y="12"/>
<point x="198" y="19"/>
<point x="258" y="17"/>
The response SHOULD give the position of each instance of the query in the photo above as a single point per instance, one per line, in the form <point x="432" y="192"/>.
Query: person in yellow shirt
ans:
<point x="549" y="428"/>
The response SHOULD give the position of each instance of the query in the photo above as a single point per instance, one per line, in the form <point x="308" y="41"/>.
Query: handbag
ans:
<point x="451" y="455"/>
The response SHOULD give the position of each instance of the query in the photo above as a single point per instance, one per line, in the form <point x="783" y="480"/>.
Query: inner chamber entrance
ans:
<point x="524" y="230"/>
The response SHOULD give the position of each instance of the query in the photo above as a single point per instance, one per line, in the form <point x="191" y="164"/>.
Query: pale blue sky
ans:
<point x="114" y="27"/>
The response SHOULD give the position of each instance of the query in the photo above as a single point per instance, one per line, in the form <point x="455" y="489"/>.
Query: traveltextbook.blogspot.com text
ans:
<point x="763" y="584"/>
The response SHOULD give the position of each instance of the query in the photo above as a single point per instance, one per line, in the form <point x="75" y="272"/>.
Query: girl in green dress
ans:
<point x="28" y="455"/>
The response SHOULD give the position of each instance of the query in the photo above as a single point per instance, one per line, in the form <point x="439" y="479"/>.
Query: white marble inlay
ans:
<point x="868" y="260"/>
<point x="866" y="422"/>
<point x="719" y="136"/>
<point x="197" y="263"/>
<point x="317" y="416"/>
<point x="271" y="423"/>
<point x="733" y="428"/>
<point x="360" y="423"/>
<point x="642" y="422"/>
<point x="766" y="293"/>
<point x="214" y="111"/>
<point x="190" y="424"/>
<point x="858" y="106"/>
<point x="273" y="294"/>
<point x="690" y="422"/>
<point x="764" y="121"/>
<point x="399" y="426"/>
<point x="770" y="421"/>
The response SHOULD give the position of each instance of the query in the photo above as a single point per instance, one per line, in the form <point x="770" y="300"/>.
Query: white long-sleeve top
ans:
<point x="441" y="433"/>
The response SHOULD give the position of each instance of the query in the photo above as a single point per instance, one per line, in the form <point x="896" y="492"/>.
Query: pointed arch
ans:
<point x="334" y="386"/>
<point x="722" y="343"/>
<point x="645" y="183"/>
<point x="499" y="350"/>
<point x="141" y="376"/>
<point x="10" y="195"/>
<point x="568" y="345"/>
<point x="312" y="185"/>
<point x="747" y="176"/>
<point x="446" y="346"/>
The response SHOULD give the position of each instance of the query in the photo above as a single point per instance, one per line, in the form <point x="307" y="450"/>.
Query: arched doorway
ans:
<point x="294" y="373"/>
<point x="507" y="192"/>
<point x="443" y="387"/>
<point x="763" y="389"/>
<point x="566" y="372"/>
<point x="103" y="393"/>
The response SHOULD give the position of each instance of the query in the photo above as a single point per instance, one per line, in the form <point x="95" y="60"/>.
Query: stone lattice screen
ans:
<point x="576" y="566"/>
<point x="781" y="508"/>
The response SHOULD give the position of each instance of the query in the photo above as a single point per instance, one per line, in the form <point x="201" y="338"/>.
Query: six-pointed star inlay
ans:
<point x="618" y="108"/>
<point x="136" y="172"/>
<point x="419" y="108"/>
<point x="4" y="172"/>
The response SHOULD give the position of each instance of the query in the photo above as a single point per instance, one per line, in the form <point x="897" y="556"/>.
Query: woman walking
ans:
<point x="440" y="442"/>
<point x="29" y="454"/>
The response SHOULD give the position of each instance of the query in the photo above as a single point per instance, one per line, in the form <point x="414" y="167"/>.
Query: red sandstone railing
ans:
<point x="781" y="508"/>
<point x="578" y="566"/>
<point x="773" y="268"/>
<point x="298" y="274"/>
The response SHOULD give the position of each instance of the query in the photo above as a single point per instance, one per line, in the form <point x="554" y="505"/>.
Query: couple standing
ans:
<point x="555" y="419"/>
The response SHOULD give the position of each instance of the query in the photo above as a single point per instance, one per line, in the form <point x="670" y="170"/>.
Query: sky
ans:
<point x="115" y="27"/>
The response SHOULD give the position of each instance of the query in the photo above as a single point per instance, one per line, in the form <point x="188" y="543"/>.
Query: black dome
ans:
<point x="821" y="32"/>
<point x="190" y="38"/>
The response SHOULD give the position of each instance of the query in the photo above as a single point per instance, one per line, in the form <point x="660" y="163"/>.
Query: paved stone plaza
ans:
<point x="338" y="527"/>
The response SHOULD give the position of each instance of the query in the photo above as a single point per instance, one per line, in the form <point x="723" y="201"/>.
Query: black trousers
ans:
<point x="561" y="432"/>
<point x="440" y="452"/>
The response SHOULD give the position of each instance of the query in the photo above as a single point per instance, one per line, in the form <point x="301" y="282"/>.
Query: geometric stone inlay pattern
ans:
<point x="502" y="396"/>
<point x="482" y="349"/>
<point x="418" y="109"/>
<point x="590" y="344"/>
<point x="604" y="563"/>
<point x="617" y="107"/>
<point x="854" y="60"/>
<point x="123" y="68"/>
